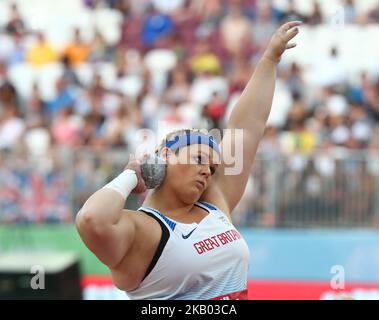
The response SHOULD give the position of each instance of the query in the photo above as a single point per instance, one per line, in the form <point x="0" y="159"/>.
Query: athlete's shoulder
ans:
<point x="140" y="218"/>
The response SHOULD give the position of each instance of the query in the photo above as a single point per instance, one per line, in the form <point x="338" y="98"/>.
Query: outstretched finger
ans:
<point x="291" y="34"/>
<point x="289" y="25"/>
<point x="291" y="45"/>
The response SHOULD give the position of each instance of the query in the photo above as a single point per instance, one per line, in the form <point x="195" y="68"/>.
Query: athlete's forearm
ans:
<point x="253" y="108"/>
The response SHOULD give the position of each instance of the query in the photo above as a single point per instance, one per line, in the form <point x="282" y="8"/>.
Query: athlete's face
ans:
<point x="190" y="171"/>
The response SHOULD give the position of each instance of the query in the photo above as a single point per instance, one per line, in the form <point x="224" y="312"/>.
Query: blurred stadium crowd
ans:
<point x="91" y="77"/>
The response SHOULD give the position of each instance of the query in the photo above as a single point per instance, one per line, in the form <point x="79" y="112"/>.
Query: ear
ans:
<point x="166" y="154"/>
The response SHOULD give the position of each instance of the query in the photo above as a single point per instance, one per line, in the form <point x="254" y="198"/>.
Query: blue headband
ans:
<point x="192" y="138"/>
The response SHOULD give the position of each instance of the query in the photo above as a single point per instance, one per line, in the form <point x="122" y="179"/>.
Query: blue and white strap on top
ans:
<point x="184" y="140"/>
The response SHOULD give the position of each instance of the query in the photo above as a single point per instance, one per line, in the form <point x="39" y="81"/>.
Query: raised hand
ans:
<point x="280" y="41"/>
<point x="135" y="164"/>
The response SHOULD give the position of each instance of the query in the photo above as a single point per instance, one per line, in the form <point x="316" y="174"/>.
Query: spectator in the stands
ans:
<point x="295" y="80"/>
<point x="12" y="126"/>
<point x="292" y="14"/>
<point x="34" y="110"/>
<point x="155" y="26"/>
<point x="178" y="86"/>
<point x="239" y="71"/>
<point x="15" y="25"/>
<point x="204" y="60"/>
<point x="350" y="11"/>
<point x="99" y="50"/>
<point x="77" y="50"/>
<point x="215" y="110"/>
<point x="373" y="14"/>
<point x="316" y="16"/>
<point x="372" y="100"/>
<point x="8" y="92"/>
<point x="235" y="30"/>
<point x="263" y="26"/>
<point x="64" y="98"/>
<point x="42" y="52"/>
<point x="18" y="51"/>
<point x="65" y="127"/>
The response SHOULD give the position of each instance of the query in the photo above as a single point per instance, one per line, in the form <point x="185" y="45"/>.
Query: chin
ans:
<point x="191" y="197"/>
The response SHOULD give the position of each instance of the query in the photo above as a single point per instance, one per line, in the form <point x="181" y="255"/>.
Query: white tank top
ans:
<point x="197" y="261"/>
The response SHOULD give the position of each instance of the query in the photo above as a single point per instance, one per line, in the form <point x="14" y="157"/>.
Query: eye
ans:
<point x="199" y="159"/>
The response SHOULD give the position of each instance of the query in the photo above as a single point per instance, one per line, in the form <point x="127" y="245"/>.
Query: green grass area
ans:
<point x="50" y="238"/>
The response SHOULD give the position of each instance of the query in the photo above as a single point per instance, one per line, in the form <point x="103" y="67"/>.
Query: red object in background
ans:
<point x="215" y="110"/>
<point x="308" y="290"/>
<point x="278" y="290"/>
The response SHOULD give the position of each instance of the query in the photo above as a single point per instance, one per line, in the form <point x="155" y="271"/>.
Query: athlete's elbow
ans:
<point x="83" y="218"/>
<point x="87" y="222"/>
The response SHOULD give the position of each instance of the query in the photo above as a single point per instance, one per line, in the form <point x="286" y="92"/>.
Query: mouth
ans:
<point x="200" y="183"/>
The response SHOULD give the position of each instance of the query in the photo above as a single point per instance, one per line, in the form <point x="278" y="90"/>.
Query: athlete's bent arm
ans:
<point x="105" y="228"/>
<point x="251" y="112"/>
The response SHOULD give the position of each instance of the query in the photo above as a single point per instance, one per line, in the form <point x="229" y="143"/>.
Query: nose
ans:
<point x="206" y="171"/>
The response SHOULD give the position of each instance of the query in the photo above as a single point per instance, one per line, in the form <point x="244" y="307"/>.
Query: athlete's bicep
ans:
<point x="232" y="178"/>
<point x="110" y="243"/>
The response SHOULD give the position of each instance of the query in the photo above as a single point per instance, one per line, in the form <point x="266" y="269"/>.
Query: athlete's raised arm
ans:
<point x="252" y="111"/>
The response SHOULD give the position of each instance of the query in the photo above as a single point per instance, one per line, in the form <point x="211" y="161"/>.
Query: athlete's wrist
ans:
<point x="124" y="183"/>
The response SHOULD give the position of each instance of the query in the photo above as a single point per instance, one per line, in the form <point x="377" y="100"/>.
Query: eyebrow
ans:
<point x="209" y="157"/>
<point x="203" y="153"/>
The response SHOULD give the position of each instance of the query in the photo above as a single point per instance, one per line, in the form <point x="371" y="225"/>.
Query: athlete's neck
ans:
<point x="171" y="206"/>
